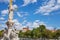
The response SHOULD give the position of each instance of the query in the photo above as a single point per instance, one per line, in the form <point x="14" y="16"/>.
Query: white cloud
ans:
<point x="31" y="25"/>
<point x="50" y="28"/>
<point x="24" y="22"/>
<point x="17" y="24"/>
<point x="4" y="12"/>
<point x="22" y="14"/>
<point x="33" y="1"/>
<point x="1" y="18"/>
<point x="58" y="1"/>
<point x="26" y="2"/>
<point x="36" y="23"/>
<point x="49" y="7"/>
<point x="15" y="7"/>
<point x="58" y="27"/>
<point x="19" y="14"/>
<point x="2" y="26"/>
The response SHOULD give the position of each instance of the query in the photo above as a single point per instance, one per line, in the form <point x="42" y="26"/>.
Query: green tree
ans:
<point x="1" y="33"/>
<point x="39" y="32"/>
<point x="21" y="34"/>
<point x="42" y="29"/>
<point x="58" y="33"/>
<point x="28" y="34"/>
<point x="36" y="33"/>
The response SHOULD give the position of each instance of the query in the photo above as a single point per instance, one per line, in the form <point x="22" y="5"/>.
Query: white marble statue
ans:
<point x="10" y="34"/>
<point x="14" y="35"/>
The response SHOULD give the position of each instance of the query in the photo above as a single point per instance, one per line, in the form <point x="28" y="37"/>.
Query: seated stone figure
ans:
<point x="14" y="35"/>
<point x="10" y="34"/>
<point x="5" y="35"/>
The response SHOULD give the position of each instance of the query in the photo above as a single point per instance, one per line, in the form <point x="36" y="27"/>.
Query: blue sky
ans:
<point x="32" y="13"/>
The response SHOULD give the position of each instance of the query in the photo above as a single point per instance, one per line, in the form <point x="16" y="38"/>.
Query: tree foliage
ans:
<point x="1" y="33"/>
<point x="38" y="32"/>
